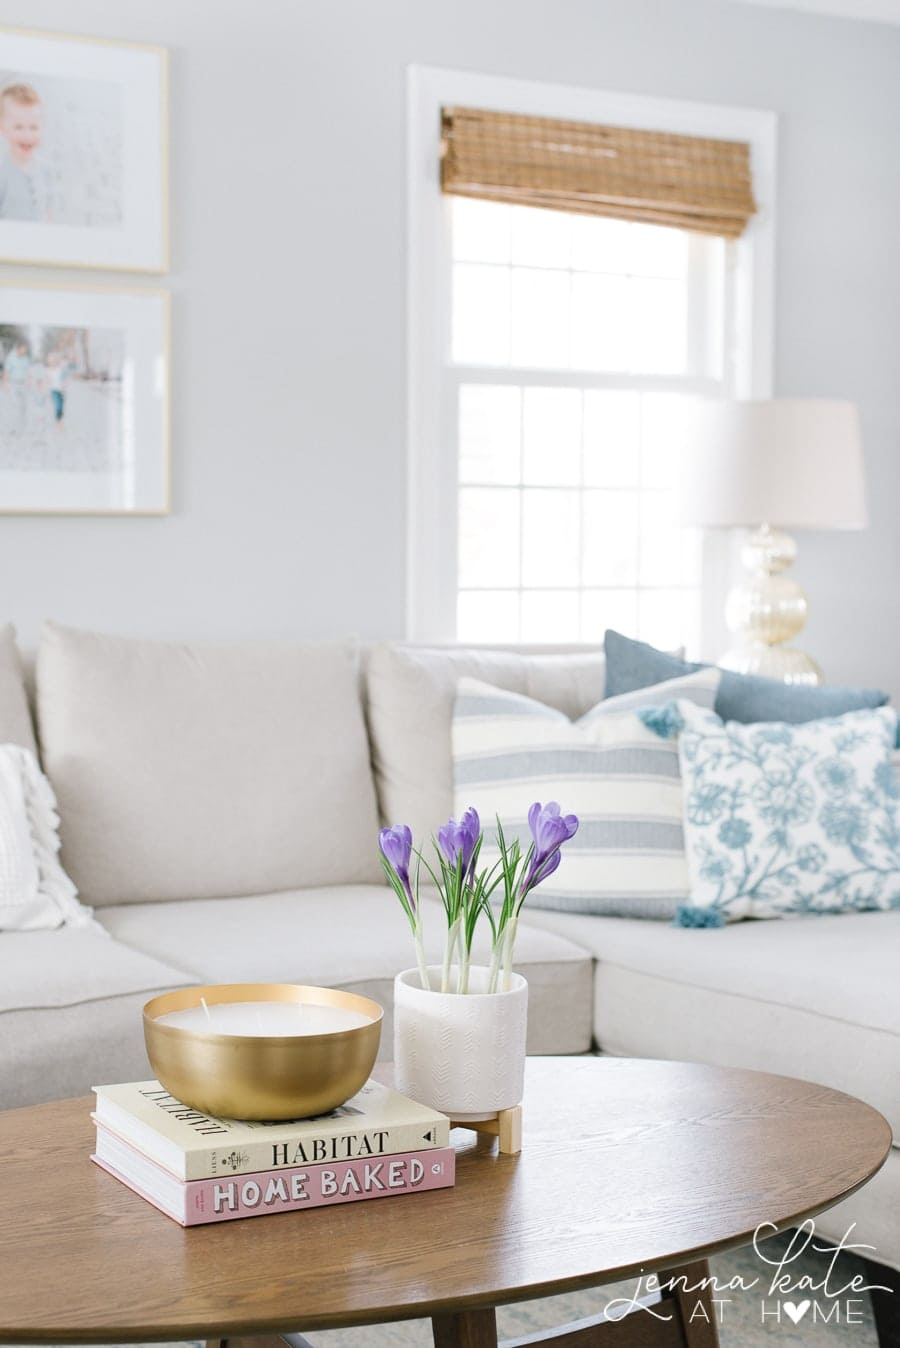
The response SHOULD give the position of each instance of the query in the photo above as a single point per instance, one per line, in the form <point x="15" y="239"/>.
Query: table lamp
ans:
<point x="783" y="463"/>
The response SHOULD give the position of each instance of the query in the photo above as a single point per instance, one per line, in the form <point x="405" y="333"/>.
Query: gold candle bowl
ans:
<point x="240" y="1076"/>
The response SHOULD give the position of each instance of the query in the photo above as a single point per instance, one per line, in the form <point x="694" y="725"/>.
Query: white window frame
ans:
<point x="432" y="487"/>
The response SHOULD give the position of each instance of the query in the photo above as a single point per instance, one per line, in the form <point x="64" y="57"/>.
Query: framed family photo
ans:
<point x="84" y="416"/>
<point x="83" y="152"/>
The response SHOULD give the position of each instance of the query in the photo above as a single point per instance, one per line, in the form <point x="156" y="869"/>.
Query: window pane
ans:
<point x="480" y="230"/>
<point x="669" y="618"/>
<point x="610" y="537"/>
<point x="565" y="506"/>
<point x="540" y="318"/>
<point x="480" y="314"/>
<point x="600" y="245"/>
<point x="488" y="616"/>
<point x="658" y="311"/>
<point x="601" y="609"/>
<point x="663" y="420"/>
<point x="601" y="323"/>
<point x="670" y="554"/>
<point x="657" y="250"/>
<point x="550" y="615"/>
<point x="551" y="528"/>
<point x="489" y="433"/>
<point x="552" y="437"/>
<point x="612" y="425"/>
<point x="488" y="537"/>
<point x="540" y="238"/>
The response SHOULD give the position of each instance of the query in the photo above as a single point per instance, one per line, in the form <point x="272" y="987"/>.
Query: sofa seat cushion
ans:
<point x="354" y="937"/>
<point x="817" y="998"/>
<point x="70" y="1012"/>
<point x="196" y="771"/>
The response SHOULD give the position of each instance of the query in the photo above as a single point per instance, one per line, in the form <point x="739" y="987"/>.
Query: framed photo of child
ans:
<point x="83" y="152"/>
<point x="84" y="416"/>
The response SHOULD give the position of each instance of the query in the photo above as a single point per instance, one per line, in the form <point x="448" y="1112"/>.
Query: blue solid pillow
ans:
<point x="742" y="697"/>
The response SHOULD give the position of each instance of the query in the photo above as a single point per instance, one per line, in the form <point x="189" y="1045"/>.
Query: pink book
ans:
<point x="194" y="1202"/>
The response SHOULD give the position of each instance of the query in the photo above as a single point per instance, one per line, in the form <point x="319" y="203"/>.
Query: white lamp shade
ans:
<point x="788" y="462"/>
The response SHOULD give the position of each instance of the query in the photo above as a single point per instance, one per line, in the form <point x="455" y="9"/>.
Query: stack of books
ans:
<point x="197" y="1169"/>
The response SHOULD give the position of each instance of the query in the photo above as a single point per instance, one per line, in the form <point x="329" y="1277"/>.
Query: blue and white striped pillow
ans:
<point x="611" y="769"/>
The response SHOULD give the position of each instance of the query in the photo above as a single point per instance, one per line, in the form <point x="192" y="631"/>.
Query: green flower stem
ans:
<point x="462" y="982"/>
<point x="509" y="940"/>
<point x="496" y="955"/>
<point x="501" y="955"/>
<point x="420" y="956"/>
<point x="449" y="950"/>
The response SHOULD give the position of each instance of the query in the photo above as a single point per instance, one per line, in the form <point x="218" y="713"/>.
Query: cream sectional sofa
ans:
<point x="219" y="807"/>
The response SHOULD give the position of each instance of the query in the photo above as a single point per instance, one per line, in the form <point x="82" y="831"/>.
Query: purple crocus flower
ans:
<point x="549" y="829"/>
<point x="396" y="846"/>
<point x="546" y="867"/>
<point x="459" y="839"/>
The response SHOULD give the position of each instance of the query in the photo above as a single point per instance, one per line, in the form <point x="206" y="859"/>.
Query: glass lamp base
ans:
<point x="766" y="610"/>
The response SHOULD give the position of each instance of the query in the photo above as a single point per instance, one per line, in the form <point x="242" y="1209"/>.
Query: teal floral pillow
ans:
<point x="783" y="820"/>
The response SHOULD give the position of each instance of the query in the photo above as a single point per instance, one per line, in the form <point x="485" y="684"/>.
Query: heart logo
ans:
<point x="796" y="1313"/>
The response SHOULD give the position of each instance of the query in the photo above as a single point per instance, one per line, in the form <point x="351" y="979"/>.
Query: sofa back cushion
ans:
<point x="609" y="767"/>
<point x="742" y="697"/>
<point x="15" y="715"/>
<point x="411" y="691"/>
<point x="788" y="820"/>
<point x="192" y="772"/>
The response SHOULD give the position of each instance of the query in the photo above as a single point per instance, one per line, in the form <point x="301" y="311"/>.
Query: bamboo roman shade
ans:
<point x="690" y="182"/>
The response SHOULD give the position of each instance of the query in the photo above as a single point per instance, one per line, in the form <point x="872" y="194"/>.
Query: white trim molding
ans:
<point x="431" y="469"/>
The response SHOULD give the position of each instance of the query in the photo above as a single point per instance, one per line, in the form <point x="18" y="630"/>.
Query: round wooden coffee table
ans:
<point x="627" y="1167"/>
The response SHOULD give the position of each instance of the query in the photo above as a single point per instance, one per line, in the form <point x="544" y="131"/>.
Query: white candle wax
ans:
<point x="265" y="1018"/>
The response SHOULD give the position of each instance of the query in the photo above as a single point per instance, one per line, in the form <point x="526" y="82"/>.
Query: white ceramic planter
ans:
<point x="461" y="1054"/>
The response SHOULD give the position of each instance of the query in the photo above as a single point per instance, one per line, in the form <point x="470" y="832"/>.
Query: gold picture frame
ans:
<point x="114" y="216"/>
<point x="80" y="440"/>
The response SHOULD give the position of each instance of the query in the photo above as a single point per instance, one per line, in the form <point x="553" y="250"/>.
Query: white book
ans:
<point x="192" y="1145"/>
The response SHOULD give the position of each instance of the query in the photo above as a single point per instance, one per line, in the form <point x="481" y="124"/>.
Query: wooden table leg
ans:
<point x="466" y="1329"/>
<point x="696" y="1312"/>
<point x="885" y="1303"/>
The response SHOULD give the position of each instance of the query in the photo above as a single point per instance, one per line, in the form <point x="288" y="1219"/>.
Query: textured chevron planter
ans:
<point x="463" y="1054"/>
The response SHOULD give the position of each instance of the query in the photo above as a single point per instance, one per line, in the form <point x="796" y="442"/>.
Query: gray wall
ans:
<point x="288" y="279"/>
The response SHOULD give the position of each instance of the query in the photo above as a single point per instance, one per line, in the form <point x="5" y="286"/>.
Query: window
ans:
<point x="563" y="349"/>
<point x="573" y="342"/>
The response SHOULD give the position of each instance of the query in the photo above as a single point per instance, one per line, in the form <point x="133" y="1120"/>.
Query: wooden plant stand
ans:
<point x="505" y="1125"/>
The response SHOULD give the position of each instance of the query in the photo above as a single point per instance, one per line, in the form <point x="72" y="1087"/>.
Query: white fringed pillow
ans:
<point x="35" y="892"/>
